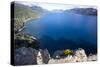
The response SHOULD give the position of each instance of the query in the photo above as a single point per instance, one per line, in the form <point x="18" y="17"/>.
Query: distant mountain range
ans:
<point x="84" y="11"/>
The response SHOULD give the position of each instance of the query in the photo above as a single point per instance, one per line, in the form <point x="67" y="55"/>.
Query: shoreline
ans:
<point x="24" y="22"/>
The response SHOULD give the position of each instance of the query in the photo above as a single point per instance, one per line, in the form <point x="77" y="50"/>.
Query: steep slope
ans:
<point x="23" y="13"/>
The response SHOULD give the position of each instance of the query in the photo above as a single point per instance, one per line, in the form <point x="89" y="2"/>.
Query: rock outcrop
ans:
<point x="25" y="56"/>
<point x="39" y="58"/>
<point x="57" y="54"/>
<point x="23" y="39"/>
<point x="43" y="56"/>
<point x="79" y="56"/>
<point x="92" y="58"/>
<point x="28" y="56"/>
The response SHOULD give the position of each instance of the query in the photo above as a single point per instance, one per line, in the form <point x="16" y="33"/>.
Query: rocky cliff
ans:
<point x="27" y="56"/>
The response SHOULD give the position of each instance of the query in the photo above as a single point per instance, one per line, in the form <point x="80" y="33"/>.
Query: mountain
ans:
<point x="39" y="9"/>
<point x="58" y="10"/>
<point x="22" y="13"/>
<point x="84" y="11"/>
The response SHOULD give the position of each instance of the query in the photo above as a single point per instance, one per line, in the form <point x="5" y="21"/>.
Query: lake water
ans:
<point x="58" y="31"/>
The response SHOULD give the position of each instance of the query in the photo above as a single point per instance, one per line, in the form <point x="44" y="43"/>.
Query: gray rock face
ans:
<point x="39" y="58"/>
<point x="25" y="56"/>
<point x="29" y="56"/>
<point x="57" y="54"/>
<point x="79" y="56"/>
<point x="45" y="55"/>
<point x="92" y="58"/>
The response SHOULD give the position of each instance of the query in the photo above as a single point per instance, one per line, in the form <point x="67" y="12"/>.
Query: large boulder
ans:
<point x="92" y="57"/>
<point x="43" y="56"/>
<point x="39" y="58"/>
<point x="80" y="56"/>
<point x="25" y="56"/>
<point x="57" y="54"/>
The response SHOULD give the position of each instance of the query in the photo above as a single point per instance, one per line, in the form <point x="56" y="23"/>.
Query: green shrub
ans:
<point x="68" y="52"/>
<point x="25" y="40"/>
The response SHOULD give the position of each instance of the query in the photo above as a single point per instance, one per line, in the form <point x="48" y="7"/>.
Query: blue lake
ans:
<point x="58" y="31"/>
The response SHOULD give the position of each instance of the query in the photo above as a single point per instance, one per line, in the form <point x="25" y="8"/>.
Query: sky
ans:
<point x="51" y="7"/>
